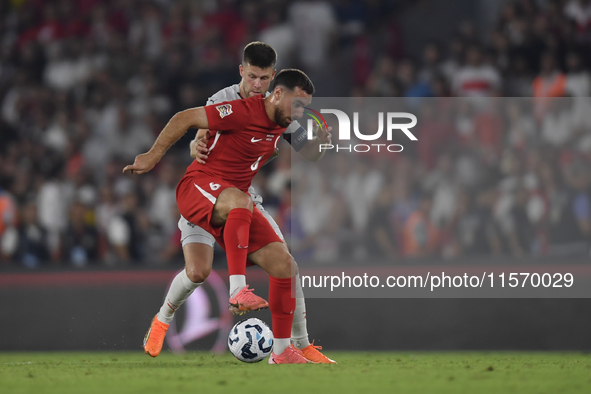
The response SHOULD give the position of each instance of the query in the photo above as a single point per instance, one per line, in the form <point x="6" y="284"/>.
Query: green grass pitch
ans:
<point x="363" y="372"/>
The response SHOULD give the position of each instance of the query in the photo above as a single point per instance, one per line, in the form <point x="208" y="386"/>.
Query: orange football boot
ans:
<point x="154" y="338"/>
<point x="312" y="353"/>
<point x="245" y="300"/>
<point x="290" y="355"/>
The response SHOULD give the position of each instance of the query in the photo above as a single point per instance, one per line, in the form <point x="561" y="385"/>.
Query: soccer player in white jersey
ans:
<point x="257" y="71"/>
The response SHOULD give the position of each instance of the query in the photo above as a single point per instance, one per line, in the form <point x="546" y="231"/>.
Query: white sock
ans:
<point x="280" y="344"/>
<point x="237" y="283"/>
<point x="299" y="327"/>
<point x="180" y="289"/>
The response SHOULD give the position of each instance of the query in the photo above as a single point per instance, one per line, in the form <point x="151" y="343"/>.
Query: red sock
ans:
<point x="282" y="305"/>
<point x="236" y="234"/>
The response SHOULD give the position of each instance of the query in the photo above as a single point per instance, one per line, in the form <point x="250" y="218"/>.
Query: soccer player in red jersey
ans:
<point x="257" y="70"/>
<point x="214" y="196"/>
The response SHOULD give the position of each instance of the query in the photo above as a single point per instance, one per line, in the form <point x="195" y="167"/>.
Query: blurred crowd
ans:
<point x="486" y="177"/>
<point x="86" y="85"/>
<point x="502" y="162"/>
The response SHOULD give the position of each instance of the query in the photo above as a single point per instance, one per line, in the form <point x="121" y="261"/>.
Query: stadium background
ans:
<point x="87" y="85"/>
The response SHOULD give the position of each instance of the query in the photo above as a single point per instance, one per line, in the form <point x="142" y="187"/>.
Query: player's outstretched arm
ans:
<point x="177" y="126"/>
<point x="311" y="151"/>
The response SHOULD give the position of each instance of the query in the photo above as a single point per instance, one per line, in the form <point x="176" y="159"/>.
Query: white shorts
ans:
<point x="270" y="219"/>
<point x="191" y="233"/>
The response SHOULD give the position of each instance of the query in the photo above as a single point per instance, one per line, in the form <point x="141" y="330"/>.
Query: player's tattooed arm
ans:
<point x="311" y="150"/>
<point x="177" y="126"/>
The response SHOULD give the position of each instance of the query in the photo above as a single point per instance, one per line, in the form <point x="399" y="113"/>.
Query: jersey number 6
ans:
<point x="255" y="165"/>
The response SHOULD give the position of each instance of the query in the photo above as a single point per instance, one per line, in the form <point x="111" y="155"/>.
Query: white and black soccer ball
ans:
<point x="250" y="340"/>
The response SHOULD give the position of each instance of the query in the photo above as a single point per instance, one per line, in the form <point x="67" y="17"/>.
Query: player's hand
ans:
<point x="199" y="149"/>
<point x="324" y="136"/>
<point x="143" y="163"/>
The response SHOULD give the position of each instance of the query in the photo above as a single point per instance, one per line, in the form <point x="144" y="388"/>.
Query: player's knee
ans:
<point x="197" y="273"/>
<point x="285" y="266"/>
<point x="232" y="199"/>
<point x="294" y="267"/>
<point x="241" y="201"/>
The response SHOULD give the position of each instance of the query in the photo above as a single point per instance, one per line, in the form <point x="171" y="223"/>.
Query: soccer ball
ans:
<point x="250" y="340"/>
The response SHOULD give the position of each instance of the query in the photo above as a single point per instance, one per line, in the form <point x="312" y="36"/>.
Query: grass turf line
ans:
<point x="398" y="372"/>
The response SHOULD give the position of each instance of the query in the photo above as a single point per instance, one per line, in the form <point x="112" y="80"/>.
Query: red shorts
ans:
<point x="196" y="195"/>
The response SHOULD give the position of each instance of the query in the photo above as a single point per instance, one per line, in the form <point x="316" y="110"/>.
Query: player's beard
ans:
<point x="280" y="118"/>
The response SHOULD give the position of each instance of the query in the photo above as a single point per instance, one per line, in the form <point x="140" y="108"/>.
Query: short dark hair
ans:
<point x="260" y="55"/>
<point x="291" y="78"/>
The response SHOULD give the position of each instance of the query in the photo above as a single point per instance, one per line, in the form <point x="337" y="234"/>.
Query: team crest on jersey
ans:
<point x="224" y="110"/>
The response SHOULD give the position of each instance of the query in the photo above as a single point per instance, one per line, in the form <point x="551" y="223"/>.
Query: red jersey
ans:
<point x="246" y="138"/>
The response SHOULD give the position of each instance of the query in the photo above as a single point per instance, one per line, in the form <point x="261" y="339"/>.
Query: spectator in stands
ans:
<point x="281" y="36"/>
<point x="315" y="24"/>
<point x="474" y="228"/>
<point x="580" y="12"/>
<point x="501" y="54"/>
<point x="475" y="78"/>
<point x="551" y="82"/>
<point x="455" y="57"/>
<point x="579" y="180"/>
<point x="163" y="198"/>
<point x="171" y="251"/>
<point x="435" y="131"/>
<point x="127" y="229"/>
<point x="420" y="237"/>
<point x="8" y="221"/>
<point x="80" y="239"/>
<point x="306" y="225"/>
<point x="361" y="187"/>
<point x="128" y="136"/>
<point x="431" y="66"/>
<point x="578" y="80"/>
<point x="557" y="123"/>
<point x="442" y="185"/>
<point x="413" y="86"/>
<point x="522" y="234"/>
<point x="33" y="245"/>
<point x="383" y="79"/>
<point x="518" y="81"/>
<point x="568" y="217"/>
<point x="521" y="128"/>
<point x="489" y="127"/>
<point x="380" y="239"/>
